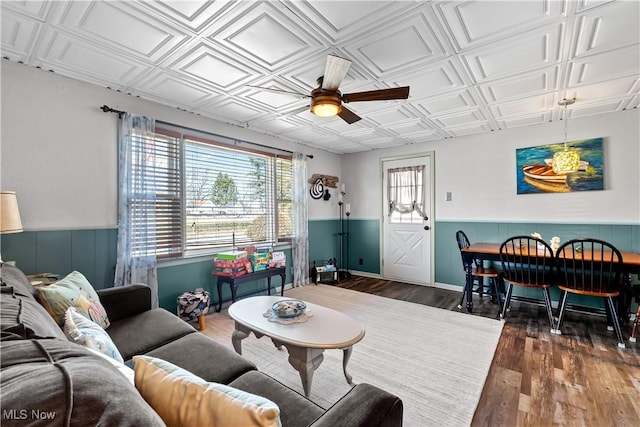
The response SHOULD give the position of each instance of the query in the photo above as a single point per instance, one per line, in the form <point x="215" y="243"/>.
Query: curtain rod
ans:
<point x="107" y="109"/>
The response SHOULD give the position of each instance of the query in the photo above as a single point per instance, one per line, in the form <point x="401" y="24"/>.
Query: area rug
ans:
<point x="435" y="360"/>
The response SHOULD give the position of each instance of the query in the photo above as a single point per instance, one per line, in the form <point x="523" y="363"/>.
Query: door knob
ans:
<point x="426" y="227"/>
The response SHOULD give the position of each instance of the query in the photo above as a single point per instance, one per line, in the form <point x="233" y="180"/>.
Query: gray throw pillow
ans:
<point x="61" y="383"/>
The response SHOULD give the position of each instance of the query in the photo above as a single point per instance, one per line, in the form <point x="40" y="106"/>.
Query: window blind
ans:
<point x="208" y="194"/>
<point x="160" y="175"/>
<point x="232" y="195"/>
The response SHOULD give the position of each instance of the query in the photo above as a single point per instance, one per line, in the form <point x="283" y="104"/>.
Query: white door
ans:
<point x="406" y="211"/>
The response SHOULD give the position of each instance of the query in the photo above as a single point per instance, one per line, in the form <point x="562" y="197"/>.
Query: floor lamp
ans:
<point x="347" y="212"/>
<point x="343" y="273"/>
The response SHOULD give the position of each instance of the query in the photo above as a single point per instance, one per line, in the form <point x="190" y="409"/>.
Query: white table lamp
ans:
<point x="9" y="214"/>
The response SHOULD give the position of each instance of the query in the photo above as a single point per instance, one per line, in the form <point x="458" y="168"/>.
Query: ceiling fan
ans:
<point x="327" y="100"/>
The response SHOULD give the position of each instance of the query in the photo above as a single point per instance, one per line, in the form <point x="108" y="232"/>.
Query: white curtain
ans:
<point x="136" y="259"/>
<point x="300" y="218"/>
<point x="405" y="189"/>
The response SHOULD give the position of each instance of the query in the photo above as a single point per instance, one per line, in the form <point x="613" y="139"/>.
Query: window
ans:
<point x="213" y="193"/>
<point x="405" y="192"/>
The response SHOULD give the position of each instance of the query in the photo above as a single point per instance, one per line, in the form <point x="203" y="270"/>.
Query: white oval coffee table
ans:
<point x="305" y="341"/>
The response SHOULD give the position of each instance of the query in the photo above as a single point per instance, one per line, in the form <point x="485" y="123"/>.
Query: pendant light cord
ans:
<point x="565" y="127"/>
<point x="565" y="102"/>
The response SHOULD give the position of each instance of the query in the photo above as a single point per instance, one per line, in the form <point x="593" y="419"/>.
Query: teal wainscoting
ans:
<point x="173" y="280"/>
<point x="91" y="252"/>
<point x="449" y="264"/>
<point x="363" y="243"/>
<point x="324" y="240"/>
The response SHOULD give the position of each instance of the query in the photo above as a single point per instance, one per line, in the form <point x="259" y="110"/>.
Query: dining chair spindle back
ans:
<point x="527" y="262"/>
<point x="590" y="267"/>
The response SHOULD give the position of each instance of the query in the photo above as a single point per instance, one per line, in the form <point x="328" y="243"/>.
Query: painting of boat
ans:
<point x="534" y="171"/>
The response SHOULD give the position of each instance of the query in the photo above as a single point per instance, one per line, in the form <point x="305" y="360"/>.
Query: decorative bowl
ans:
<point x="289" y="308"/>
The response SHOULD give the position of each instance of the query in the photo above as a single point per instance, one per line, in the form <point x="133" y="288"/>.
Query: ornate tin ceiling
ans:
<point x="472" y="66"/>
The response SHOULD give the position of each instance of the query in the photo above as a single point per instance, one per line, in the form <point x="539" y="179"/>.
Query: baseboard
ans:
<point x="447" y="286"/>
<point x="365" y="274"/>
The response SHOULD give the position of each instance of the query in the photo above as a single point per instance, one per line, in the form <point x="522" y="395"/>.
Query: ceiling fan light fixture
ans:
<point x="325" y="106"/>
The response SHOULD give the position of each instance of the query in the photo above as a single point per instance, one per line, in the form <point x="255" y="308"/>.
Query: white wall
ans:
<point x="58" y="149"/>
<point x="479" y="171"/>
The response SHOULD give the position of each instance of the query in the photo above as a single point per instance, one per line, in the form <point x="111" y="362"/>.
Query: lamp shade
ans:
<point x="566" y="161"/>
<point x="9" y="213"/>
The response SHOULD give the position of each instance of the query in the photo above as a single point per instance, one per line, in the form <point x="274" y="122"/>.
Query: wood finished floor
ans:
<point x="580" y="378"/>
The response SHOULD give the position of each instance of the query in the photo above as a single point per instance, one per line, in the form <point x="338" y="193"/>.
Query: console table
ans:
<point x="250" y="277"/>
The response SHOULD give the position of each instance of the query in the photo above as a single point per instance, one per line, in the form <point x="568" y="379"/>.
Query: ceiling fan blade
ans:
<point x="348" y="115"/>
<point x="334" y="72"/>
<point x="280" y="91"/>
<point x="378" y="95"/>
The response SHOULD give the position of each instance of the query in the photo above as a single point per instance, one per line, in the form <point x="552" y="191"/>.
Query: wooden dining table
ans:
<point x="491" y="252"/>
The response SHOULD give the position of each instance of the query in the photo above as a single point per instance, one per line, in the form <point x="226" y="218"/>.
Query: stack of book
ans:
<point x="232" y="264"/>
<point x="260" y="261"/>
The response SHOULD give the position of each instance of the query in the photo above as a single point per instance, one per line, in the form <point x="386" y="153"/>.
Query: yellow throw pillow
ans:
<point x="72" y="291"/>
<point x="184" y="399"/>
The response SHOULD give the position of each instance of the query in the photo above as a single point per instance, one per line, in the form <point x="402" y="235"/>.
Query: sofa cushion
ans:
<point x="181" y="398"/>
<point x="204" y="357"/>
<point x="74" y="290"/>
<point x="147" y="331"/>
<point x="22" y="315"/>
<point x="67" y="384"/>
<point x="87" y="333"/>
<point x="295" y="409"/>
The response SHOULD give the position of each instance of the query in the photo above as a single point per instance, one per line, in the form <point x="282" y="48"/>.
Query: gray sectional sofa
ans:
<point x="48" y="380"/>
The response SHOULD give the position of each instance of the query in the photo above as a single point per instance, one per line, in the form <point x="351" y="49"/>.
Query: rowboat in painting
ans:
<point x="545" y="179"/>
<point x="543" y="173"/>
<point x="548" y="186"/>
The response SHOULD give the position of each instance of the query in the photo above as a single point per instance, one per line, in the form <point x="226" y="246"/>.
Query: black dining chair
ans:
<point x="635" y="290"/>
<point x="527" y="262"/>
<point x="590" y="267"/>
<point x="478" y="274"/>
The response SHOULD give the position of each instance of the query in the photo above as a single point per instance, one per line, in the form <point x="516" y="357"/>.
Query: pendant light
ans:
<point x="565" y="161"/>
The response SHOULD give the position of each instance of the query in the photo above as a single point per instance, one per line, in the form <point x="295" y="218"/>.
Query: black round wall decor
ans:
<point x="317" y="189"/>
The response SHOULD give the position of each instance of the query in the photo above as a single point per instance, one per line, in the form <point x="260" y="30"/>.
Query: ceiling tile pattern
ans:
<point x="473" y="66"/>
